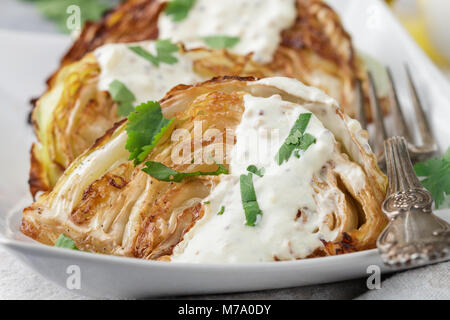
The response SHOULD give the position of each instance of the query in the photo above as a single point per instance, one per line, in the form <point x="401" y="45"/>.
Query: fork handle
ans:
<point x="405" y="191"/>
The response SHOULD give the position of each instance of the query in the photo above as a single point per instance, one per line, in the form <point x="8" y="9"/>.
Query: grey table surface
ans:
<point x="18" y="282"/>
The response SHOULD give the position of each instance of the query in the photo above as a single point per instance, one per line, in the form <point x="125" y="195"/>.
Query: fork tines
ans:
<point x="418" y="152"/>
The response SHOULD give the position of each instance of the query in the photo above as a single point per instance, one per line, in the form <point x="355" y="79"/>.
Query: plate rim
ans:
<point x="38" y="248"/>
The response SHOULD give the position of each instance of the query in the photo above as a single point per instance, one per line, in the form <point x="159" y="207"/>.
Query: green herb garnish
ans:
<point x="222" y="210"/>
<point x="123" y="96"/>
<point x="207" y="202"/>
<point x="145" y="128"/>
<point x="437" y="177"/>
<point x="249" y="201"/>
<point x="165" y="49"/>
<point x="306" y="141"/>
<point x="160" y="172"/>
<point x="253" y="169"/>
<point x="179" y="9"/>
<point x="164" y="52"/>
<point x="221" y="42"/>
<point x="296" y="140"/>
<point x="144" y="54"/>
<point x="65" y="242"/>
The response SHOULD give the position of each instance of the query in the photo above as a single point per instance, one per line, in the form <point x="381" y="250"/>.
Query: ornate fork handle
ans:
<point x="414" y="235"/>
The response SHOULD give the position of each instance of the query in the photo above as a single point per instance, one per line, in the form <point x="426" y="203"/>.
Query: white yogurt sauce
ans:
<point x="281" y="192"/>
<point x="331" y="119"/>
<point x="258" y="24"/>
<point x="140" y="76"/>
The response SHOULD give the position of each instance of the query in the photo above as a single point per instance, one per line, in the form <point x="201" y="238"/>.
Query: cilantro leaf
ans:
<point x="123" y="96"/>
<point x="119" y="92"/>
<point x="296" y="140"/>
<point x="253" y="169"/>
<point x="179" y="9"/>
<point x="145" y="128"/>
<point x="222" y="210"/>
<point x="145" y="54"/>
<point x="446" y="155"/>
<point x="220" y="42"/>
<point x="124" y="109"/>
<point x="306" y="141"/>
<point x="249" y="201"/>
<point x="65" y="242"/>
<point x="436" y="173"/>
<point x="164" y="52"/>
<point x="162" y="173"/>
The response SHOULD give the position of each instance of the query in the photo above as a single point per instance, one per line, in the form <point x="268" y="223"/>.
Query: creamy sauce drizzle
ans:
<point x="258" y="24"/>
<point x="281" y="193"/>
<point x="145" y="80"/>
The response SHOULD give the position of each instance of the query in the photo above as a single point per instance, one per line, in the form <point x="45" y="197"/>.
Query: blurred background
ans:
<point x="426" y="20"/>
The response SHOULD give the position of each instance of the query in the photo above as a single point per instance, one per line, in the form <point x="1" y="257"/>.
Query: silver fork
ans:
<point x="418" y="152"/>
<point x="414" y="235"/>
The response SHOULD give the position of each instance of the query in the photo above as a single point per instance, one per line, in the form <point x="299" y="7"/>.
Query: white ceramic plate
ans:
<point x="27" y="59"/>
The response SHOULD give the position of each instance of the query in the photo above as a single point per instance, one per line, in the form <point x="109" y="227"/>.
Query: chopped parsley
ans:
<point x="160" y="172"/>
<point x="65" y="242"/>
<point x="178" y="10"/>
<point x="164" y="52"/>
<point x="222" y="210"/>
<point x="436" y="173"/>
<point x="220" y="42"/>
<point x="297" y="139"/>
<point x="249" y="201"/>
<point x="145" y="128"/>
<point x="144" y="54"/>
<point x="253" y="169"/>
<point x="123" y="96"/>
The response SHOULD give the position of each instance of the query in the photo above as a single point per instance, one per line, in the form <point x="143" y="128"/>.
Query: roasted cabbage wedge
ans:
<point x="316" y="49"/>
<point x="108" y="205"/>
<point x="74" y="112"/>
<point x="70" y="116"/>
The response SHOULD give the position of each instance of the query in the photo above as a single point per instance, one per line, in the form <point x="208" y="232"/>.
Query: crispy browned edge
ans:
<point x="305" y="34"/>
<point x="136" y="20"/>
<point x="130" y="21"/>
